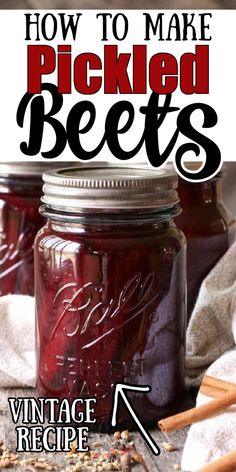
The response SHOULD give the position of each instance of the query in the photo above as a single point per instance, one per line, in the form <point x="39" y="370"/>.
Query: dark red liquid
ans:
<point x="208" y="228"/>
<point x="20" y="222"/>
<point x="111" y="308"/>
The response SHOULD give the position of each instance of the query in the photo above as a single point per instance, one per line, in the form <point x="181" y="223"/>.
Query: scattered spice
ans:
<point x="125" y="435"/>
<point x="168" y="447"/>
<point x="10" y="459"/>
<point x="4" y="464"/>
<point x="120" y="455"/>
<point x="42" y="465"/>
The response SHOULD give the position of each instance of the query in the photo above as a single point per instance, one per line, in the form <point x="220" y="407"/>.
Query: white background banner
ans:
<point x="177" y="33"/>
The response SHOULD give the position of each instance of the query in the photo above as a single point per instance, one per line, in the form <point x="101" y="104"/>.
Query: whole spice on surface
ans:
<point x="168" y="447"/>
<point x="125" y="435"/>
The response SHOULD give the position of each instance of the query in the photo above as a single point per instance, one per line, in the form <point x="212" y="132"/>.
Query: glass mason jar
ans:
<point x="208" y="227"/>
<point x="20" y="193"/>
<point x="110" y="289"/>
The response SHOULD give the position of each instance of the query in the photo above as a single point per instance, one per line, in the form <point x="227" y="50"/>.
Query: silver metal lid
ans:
<point x="99" y="188"/>
<point x="34" y="169"/>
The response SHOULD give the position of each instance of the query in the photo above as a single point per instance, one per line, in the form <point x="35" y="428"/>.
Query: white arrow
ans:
<point x="119" y="388"/>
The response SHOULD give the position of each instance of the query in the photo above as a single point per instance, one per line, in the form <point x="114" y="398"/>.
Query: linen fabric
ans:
<point x="17" y="341"/>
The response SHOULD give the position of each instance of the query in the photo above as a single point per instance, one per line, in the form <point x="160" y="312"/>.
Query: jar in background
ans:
<point x="20" y="192"/>
<point x="208" y="227"/>
<point x="110" y="289"/>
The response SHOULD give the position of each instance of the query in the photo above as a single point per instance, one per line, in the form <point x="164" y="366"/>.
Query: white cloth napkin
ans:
<point x="212" y="438"/>
<point x="212" y="332"/>
<point x="17" y="341"/>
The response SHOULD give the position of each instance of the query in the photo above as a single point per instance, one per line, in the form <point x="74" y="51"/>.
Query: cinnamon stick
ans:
<point x="218" y="383"/>
<point x="167" y="425"/>
<point x="226" y="463"/>
<point x="211" y="391"/>
<point x="214" y="387"/>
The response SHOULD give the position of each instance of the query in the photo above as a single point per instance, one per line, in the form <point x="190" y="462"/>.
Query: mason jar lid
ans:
<point x="102" y="188"/>
<point x="33" y="169"/>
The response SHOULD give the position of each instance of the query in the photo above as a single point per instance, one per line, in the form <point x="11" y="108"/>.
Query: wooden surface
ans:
<point x="165" y="462"/>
